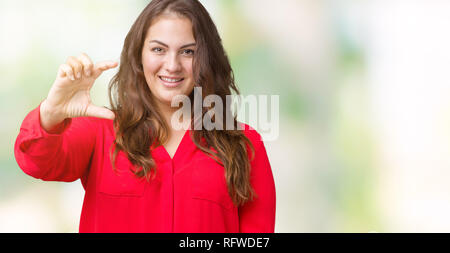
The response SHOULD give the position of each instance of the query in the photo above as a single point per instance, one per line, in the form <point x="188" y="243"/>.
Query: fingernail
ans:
<point x="78" y="75"/>
<point x="72" y="78"/>
<point x="88" y="73"/>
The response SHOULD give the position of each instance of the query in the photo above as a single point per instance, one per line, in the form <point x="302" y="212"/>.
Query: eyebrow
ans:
<point x="185" y="46"/>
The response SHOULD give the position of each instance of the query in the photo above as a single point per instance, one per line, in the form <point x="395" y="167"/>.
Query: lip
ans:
<point x="171" y="84"/>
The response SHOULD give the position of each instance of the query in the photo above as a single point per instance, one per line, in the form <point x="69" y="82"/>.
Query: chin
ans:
<point x="167" y="98"/>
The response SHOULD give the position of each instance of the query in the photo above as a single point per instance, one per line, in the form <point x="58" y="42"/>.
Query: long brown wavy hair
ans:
<point x="138" y="123"/>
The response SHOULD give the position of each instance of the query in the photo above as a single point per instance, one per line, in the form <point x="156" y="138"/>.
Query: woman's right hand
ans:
<point x="69" y="96"/>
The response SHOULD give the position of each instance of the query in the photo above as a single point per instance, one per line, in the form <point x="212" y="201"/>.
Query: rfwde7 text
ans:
<point x="245" y="242"/>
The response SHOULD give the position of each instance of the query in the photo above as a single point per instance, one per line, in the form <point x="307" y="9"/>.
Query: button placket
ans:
<point x="172" y="215"/>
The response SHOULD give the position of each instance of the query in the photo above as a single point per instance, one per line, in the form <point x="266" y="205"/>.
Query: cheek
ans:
<point x="151" y="66"/>
<point x="190" y="74"/>
<point x="187" y="66"/>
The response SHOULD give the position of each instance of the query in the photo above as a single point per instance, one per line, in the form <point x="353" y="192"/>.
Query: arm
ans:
<point x="60" y="154"/>
<point x="57" y="139"/>
<point x="258" y="216"/>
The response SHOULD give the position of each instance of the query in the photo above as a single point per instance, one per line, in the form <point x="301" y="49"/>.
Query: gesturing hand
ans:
<point x="69" y="96"/>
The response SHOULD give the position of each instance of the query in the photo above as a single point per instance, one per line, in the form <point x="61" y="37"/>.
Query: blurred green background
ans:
<point x="364" y="104"/>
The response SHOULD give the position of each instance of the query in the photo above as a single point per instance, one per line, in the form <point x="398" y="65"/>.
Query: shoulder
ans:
<point x="92" y="125"/>
<point x="98" y="121"/>
<point x="258" y="156"/>
<point x="91" y="121"/>
<point x="253" y="135"/>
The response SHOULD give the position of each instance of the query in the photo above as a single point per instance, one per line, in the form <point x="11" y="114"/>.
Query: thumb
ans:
<point x="99" y="112"/>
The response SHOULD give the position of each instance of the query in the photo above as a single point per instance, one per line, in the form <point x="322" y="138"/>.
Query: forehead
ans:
<point x="171" y="29"/>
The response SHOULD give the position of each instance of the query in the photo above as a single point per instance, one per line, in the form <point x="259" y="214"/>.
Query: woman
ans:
<point x="139" y="172"/>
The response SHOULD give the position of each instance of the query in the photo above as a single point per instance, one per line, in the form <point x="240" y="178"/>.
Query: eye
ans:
<point x="157" y="50"/>
<point x="188" y="52"/>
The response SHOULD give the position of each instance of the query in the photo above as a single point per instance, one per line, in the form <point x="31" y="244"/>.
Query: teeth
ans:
<point x="171" y="80"/>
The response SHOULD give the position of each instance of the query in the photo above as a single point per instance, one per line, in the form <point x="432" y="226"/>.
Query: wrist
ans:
<point x="49" y="116"/>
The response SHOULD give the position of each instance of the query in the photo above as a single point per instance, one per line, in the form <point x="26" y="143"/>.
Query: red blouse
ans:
<point x="188" y="195"/>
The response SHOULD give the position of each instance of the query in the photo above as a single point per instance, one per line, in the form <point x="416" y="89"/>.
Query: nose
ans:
<point x="172" y="63"/>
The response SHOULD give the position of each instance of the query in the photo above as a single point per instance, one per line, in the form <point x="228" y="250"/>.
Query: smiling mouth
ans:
<point x="171" y="80"/>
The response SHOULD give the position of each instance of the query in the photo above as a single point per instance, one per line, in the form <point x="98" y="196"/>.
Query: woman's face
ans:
<point x="167" y="56"/>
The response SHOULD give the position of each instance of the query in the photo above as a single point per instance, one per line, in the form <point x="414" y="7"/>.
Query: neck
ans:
<point x="167" y="114"/>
